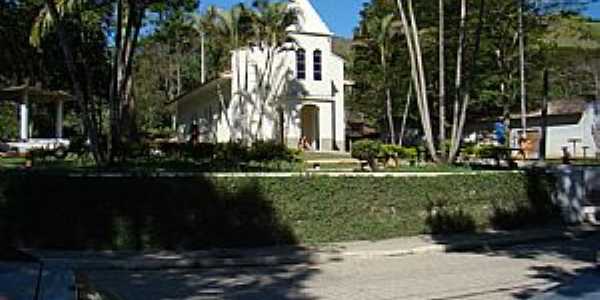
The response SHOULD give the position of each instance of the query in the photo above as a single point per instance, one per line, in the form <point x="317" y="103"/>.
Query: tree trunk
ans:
<point x="417" y="71"/>
<point x="522" y="70"/>
<point x="467" y="84"/>
<point x="458" y="79"/>
<point x="388" y="99"/>
<point x="127" y="123"/>
<point x="442" y="79"/>
<point x="423" y="83"/>
<point x="92" y="133"/>
<point x="116" y="72"/>
<point x="390" y="116"/>
<point x="544" y="115"/>
<point x="405" y="115"/>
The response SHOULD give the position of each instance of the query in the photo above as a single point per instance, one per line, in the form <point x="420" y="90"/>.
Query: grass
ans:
<point x="430" y="168"/>
<point x="306" y="156"/>
<point x="11" y="162"/>
<point x="595" y="30"/>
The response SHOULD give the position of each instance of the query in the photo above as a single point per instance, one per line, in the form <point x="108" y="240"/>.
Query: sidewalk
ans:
<point x="305" y="254"/>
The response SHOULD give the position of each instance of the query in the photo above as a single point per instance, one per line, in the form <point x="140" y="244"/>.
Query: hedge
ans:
<point x="138" y="212"/>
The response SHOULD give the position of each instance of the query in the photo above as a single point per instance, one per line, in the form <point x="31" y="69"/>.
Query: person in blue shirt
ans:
<point x="500" y="131"/>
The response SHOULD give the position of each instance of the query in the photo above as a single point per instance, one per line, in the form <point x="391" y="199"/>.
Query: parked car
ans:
<point x="25" y="277"/>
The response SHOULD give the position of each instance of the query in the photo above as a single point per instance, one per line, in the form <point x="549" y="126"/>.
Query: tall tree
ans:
<point x="381" y="33"/>
<point x="124" y="24"/>
<point x="53" y="14"/>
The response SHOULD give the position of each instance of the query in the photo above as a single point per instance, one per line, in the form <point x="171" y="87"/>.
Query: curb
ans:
<point x="297" y="255"/>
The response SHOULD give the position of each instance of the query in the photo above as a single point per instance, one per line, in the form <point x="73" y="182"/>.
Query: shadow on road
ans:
<point x="538" y="213"/>
<point x="283" y="282"/>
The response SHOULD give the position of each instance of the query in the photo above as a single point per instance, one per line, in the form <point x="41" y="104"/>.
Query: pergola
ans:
<point x="24" y="95"/>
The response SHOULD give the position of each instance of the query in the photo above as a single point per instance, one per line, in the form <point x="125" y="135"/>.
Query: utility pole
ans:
<point x="544" y="117"/>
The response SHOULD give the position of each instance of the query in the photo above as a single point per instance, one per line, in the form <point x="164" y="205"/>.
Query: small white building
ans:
<point x="298" y="93"/>
<point x="573" y="125"/>
<point x="24" y="96"/>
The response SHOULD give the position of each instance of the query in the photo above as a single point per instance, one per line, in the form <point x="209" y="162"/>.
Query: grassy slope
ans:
<point x="195" y="213"/>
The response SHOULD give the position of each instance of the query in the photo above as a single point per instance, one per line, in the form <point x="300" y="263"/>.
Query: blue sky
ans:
<point x="593" y="10"/>
<point x="342" y="15"/>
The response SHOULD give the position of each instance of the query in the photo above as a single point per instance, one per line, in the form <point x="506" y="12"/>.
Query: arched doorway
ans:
<point x="310" y="126"/>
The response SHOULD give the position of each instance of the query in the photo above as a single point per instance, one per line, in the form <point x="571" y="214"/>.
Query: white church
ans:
<point x="298" y="95"/>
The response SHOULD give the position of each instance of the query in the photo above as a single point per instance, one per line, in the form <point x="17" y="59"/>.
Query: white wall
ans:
<point x="558" y="137"/>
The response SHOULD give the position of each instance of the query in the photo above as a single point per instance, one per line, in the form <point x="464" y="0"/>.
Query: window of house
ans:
<point x="301" y="64"/>
<point x="318" y="69"/>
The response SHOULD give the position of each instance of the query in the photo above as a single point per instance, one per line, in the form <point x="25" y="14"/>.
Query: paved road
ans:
<point x="514" y="273"/>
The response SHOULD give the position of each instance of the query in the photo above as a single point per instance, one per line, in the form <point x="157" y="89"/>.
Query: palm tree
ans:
<point x="128" y="17"/>
<point x="270" y="28"/>
<point x="51" y="18"/>
<point x="271" y="21"/>
<point x="380" y="33"/>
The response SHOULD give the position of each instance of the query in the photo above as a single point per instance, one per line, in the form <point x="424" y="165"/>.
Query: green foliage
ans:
<point x="232" y="152"/>
<point x="370" y="149"/>
<point x="491" y="151"/>
<point x="271" y="151"/>
<point x="202" y="151"/>
<point x="8" y="121"/>
<point x="366" y="149"/>
<point x="388" y="151"/>
<point x="408" y="153"/>
<point x="191" y="213"/>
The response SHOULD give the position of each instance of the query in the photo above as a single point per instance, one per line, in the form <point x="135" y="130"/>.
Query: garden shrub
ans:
<point x="201" y="151"/>
<point x="231" y="152"/>
<point x="271" y="151"/>
<point x="408" y="153"/>
<point x="369" y="150"/>
<point x="491" y="151"/>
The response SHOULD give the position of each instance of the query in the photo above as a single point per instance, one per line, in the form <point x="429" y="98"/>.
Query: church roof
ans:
<point x="309" y="20"/>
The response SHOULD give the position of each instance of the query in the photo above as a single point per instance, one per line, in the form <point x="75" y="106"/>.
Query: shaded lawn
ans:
<point x="11" y="162"/>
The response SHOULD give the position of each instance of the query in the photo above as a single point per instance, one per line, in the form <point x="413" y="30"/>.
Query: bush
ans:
<point x="271" y="151"/>
<point x="389" y="151"/>
<point x="197" y="212"/>
<point x="492" y="151"/>
<point x="201" y="151"/>
<point x="41" y="155"/>
<point x="231" y="152"/>
<point x="368" y="150"/>
<point x="408" y="154"/>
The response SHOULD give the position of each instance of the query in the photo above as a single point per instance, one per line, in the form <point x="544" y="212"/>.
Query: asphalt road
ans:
<point x="563" y="269"/>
